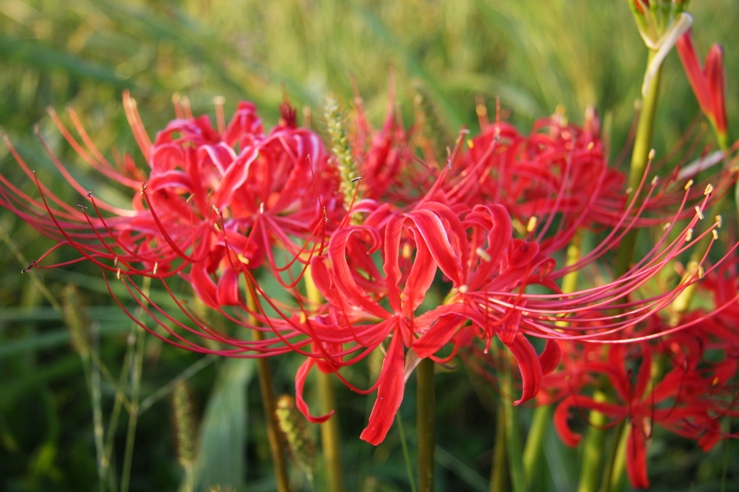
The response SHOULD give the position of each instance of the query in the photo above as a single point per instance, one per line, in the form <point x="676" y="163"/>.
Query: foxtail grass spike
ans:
<point x="76" y="319"/>
<point x="296" y="433"/>
<point x="431" y="123"/>
<point x="341" y="148"/>
<point x="183" y="421"/>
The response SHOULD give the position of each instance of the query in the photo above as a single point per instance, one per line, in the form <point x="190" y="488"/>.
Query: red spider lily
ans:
<point x="215" y="205"/>
<point x="415" y="245"/>
<point x="676" y="403"/>
<point x="709" y="83"/>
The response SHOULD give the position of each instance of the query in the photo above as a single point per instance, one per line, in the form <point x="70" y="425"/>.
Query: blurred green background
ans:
<point x="84" y="53"/>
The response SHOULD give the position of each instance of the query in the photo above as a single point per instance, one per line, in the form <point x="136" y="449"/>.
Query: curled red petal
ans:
<point x="300" y="378"/>
<point x="550" y="357"/>
<point x="561" y="414"/>
<point x="528" y="364"/>
<point x="204" y="286"/>
<point x="419" y="280"/>
<point x="439" y="243"/>
<point x="245" y="125"/>
<point x="443" y="329"/>
<point x="227" y="292"/>
<point x="391" y="264"/>
<point x="389" y="394"/>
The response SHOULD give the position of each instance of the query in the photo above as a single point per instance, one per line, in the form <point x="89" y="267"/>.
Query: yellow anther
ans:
<point x="118" y="274"/>
<point x="688" y="184"/>
<point x="470" y="144"/>
<point x="407" y="251"/>
<point x="666" y="226"/>
<point x="533" y="220"/>
<point x="115" y="262"/>
<point x="629" y="190"/>
<point x="483" y="254"/>
<point x="463" y="289"/>
<point x="591" y="145"/>
<point x="719" y="221"/>
<point x="689" y="235"/>
<point x="715" y="234"/>
<point x="699" y="212"/>
<point x="708" y="190"/>
<point x="156" y="267"/>
<point x="243" y="259"/>
<point x="651" y="154"/>
<point x="655" y="180"/>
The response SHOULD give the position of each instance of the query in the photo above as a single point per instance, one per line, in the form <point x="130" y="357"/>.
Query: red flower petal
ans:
<point x="716" y="82"/>
<point x="636" y="458"/>
<point x="550" y="357"/>
<point x="204" y="286"/>
<point x="300" y="378"/>
<point x="389" y="394"/>
<point x="443" y="329"/>
<point x="227" y="293"/>
<point x="528" y="364"/>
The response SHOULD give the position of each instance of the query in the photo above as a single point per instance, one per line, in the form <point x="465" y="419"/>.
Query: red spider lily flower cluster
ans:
<point x="213" y="206"/>
<point x="426" y="260"/>
<point x="685" y="382"/>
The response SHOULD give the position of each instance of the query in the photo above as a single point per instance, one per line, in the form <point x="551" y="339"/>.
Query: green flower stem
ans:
<point x="270" y="407"/>
<point x="590" y="474"/>
<point x="639" y="160"/>
<point x="330" y="433"/>
<point x="534" y="449"/>
<point x="425" y="424"/>
<point x="499" y="473"/>
<point x="592" y="456"/>
<point x="513" y="436"/>
<point x="617" y="481"/>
